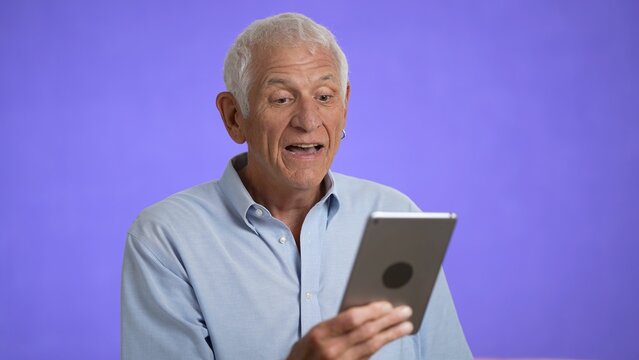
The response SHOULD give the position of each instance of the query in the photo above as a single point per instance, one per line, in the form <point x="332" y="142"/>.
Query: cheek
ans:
<point x="269" y="133"/>
<point x="338" y="125"/>
<point x="262" y="127"/>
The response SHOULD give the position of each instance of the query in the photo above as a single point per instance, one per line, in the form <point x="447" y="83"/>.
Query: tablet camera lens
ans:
<point x="397" y="275"/>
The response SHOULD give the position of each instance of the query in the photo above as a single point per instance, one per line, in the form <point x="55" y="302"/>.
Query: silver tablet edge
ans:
<point x="412" y="215"/>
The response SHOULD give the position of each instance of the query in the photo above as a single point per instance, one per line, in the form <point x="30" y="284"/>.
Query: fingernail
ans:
<point x="406" y="327"/>
<point x="406" y="311"/>
<point x="386" y="306"/>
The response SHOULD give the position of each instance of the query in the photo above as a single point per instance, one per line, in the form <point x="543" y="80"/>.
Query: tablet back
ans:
<point x="399" y="259"/>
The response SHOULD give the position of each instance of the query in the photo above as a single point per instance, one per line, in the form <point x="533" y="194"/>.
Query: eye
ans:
<point x="325" y="98"/>
<point x="281" y="100"/>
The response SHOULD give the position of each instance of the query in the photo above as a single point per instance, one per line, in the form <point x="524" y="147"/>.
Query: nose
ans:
<point x="306" y="116"/>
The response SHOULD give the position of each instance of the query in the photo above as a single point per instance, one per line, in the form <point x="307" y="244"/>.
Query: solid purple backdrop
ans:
<point x="522" y="116"/>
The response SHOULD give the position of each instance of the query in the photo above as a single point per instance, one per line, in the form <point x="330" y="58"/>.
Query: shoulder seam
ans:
<point x="141" y="240"/>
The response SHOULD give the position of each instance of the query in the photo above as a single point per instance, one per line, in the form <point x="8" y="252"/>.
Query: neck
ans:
<point x="289" y="205"/>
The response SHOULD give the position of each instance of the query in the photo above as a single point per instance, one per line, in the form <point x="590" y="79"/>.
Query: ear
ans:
<point x="231" y="115"/>
<point x="348" y="95"/>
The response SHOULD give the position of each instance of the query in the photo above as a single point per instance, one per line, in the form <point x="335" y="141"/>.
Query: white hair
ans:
<point x="287" y="29"/>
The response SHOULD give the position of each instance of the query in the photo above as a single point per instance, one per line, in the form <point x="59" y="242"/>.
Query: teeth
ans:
<point x="305" y="146"/>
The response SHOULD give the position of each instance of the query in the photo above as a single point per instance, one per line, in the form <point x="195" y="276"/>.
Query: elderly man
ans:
<point x="253" y="266"/>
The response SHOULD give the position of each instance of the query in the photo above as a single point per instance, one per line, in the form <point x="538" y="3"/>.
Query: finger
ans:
<point x="356" y="316"/>
<point x="329" y="339"/>
<point x="374" y="327"/>
<point x="298" y="351"/>
<point x="371" y="346"/>
<point x="335" y="346"/>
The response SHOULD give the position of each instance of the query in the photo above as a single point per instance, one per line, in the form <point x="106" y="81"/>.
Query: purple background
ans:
<point x="522" y="116"/>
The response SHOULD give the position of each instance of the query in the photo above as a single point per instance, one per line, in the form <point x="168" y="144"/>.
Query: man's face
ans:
<point x="296" y="117"/>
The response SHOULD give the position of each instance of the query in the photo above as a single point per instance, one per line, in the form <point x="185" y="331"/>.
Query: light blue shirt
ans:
<point x="209" y="274"/>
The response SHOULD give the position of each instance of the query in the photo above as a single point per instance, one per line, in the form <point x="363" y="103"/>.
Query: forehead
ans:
<point x="279" y="64"/>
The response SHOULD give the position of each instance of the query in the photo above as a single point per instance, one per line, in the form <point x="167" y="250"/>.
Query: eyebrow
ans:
<point x="280" y="81"/>
<point x="274" y="81"/>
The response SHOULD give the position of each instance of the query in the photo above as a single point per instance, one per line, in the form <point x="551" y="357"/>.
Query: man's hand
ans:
<point x="356" y="333"/>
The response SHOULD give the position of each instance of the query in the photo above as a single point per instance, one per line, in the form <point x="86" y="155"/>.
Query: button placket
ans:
<point x="310" y="257"/>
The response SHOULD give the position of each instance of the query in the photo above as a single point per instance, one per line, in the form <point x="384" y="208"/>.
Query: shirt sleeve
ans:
<point x="441" y="336"/>
<point x="160" y="315"/>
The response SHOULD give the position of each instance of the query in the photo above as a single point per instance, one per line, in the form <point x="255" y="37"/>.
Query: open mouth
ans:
<point x="304" y="148"/>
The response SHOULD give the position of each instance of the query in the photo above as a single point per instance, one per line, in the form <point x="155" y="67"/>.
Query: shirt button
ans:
<point x="307" y="295"/>
<point x="259" y="212"/>
<point x="282" y="240"/>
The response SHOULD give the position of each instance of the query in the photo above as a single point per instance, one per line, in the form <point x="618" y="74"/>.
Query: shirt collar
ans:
<point x="331" y="198"/>
<point x="241" y="202"/>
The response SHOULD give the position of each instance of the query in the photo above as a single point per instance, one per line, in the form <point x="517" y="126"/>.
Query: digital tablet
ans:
<point x="399" y="259"/>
